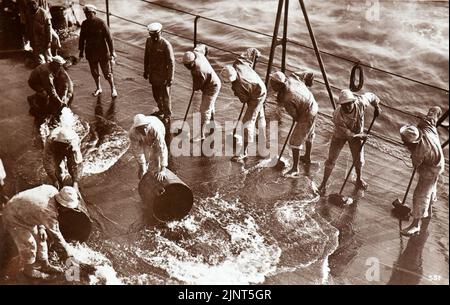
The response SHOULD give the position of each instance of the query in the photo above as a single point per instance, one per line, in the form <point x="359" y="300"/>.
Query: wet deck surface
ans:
<point x="368" y="232"/>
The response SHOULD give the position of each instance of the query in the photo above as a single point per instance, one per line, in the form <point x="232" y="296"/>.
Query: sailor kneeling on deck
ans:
<point x="428" y="159"/>
<point x="251" y="90"/>
<point x="28" y="216"/>
<point x="63" y="143"/>
<point x="53" y="87"/>
<point x="348" y="120"/>
<point x="147" y="136"/>
<point x="299" y="102"/>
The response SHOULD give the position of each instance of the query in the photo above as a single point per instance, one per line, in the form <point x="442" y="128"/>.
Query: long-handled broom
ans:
<point x="338" y="198"/>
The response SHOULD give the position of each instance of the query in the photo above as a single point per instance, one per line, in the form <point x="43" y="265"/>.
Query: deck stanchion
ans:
<point x="274" y="40"/>
<point x="195" y="29"/>
<point x="107" y="12"/>
<point x="317" y="51"/>
<point x="284" y="43"/>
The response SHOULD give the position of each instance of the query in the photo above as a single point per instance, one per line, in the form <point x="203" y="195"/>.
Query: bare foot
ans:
<point x="239" y="159"/>
<point x="292" y="173"/>
<point x="411" y="230"/>
<point x="97" y="92"/>
<point x="361" y="184"/>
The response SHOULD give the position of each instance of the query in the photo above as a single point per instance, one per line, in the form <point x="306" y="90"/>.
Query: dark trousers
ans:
<point x="161" y="94"/>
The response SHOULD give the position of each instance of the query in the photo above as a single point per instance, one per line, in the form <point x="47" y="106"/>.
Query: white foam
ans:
<point x="245" y="256"/>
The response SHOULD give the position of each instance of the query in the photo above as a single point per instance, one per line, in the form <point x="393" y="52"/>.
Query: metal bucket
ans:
<point x="173" y="204"/>
<point x="75" y="225"/>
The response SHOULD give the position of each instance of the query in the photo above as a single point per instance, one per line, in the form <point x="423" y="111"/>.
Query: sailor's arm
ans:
<point x="340" y="128"/>
<point x="170" y="64"/>
<point x="147" y="58"/>
<point x="162" y="157"/>
<point x="138" y="152"/>
<point x="370" y="98"/>
<point x="82" y="40"/>
<point x="53" y="228"/>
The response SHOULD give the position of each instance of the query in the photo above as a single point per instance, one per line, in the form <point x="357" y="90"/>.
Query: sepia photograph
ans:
<point x="246" y="144"/>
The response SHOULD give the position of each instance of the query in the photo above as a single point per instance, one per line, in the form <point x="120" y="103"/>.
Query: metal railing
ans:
<point x="195" y="40"/>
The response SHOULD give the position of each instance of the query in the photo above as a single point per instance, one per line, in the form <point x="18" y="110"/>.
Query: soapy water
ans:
<point x="220" y="242"/>
<point x="244" y="233"/>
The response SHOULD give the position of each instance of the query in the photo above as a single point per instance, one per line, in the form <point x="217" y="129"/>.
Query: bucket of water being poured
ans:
<point x="169" y="200"/>
<point x="75" y="224"/>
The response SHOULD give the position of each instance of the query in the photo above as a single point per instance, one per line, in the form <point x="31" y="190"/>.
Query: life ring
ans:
<point x="353" y="86"/>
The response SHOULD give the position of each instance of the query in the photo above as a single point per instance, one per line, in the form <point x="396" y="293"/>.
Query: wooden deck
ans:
<point x="368" y="232"/>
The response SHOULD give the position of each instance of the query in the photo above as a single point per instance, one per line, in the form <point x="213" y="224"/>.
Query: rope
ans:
<point x="353" y="87"/>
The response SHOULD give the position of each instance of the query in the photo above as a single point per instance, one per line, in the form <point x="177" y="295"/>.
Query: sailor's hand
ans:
<point x="145" y="75"/>
<point x="42" y="233"/>
<point x="142" y="171"/>
<point x="161" y="175"/>
<point x="169" y="83"/>
<point x="81" y="55"/>
<point x="362" y="136"/>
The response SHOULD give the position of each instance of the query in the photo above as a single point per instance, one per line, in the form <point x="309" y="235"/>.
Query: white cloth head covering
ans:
<point x="346" y="96"/>
<point x="90" y="8"/>
<point x="410" y="134"/>
<point x="141" y="120"/>
<point x="250" y="54"/>
<point x="228" y="74"/>
<point x="68" y="197"/>
<point x="188" y="57"/>
<point x="58" y="59"/>
<point x="154" y="27"/>
<point x="278" y="77"/>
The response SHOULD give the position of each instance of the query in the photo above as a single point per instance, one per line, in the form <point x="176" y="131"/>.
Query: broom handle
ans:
<point x="287" y="139"/>
<point x="188" y="107"/>
<point x="409" y="185"/>
<point x="360" y="149"/>
<point x="239" y="119"/>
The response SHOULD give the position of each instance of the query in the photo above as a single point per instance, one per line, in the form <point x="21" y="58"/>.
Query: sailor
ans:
<point x="96" y="41"/>
<point x="147" y="135"/>
<point x="251" y="90"/>
<point x="41" y="31"/>
<point x="29" y="216"/>
<point x="428" y="160"/>
<point x="159" y="69"/>
<point x="63" y="143"/>
<point x="294" y="95"/>
<point x="44" y="79"/>
<point x="348" y="120"/>
<point x="204" y="78"/>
